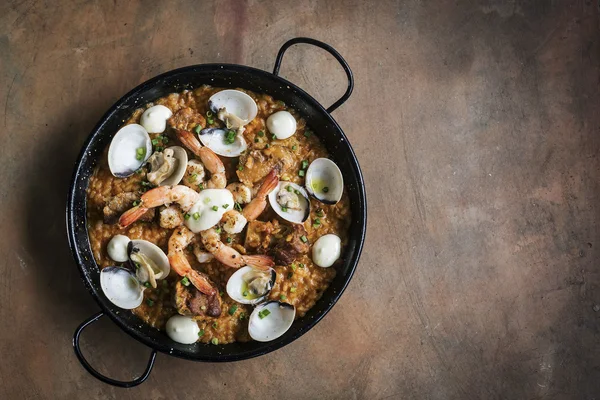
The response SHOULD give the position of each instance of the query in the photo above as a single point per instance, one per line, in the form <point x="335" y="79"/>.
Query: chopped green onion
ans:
<point x="136" y="203"/>
<point x="238" y="207"/>
<point x="194" y="176"/>
<point x="228" y="240"/>
<point x="140" y="152"/>
<point x="159" y="148"/>
<point x="320" y="212"/>
<point x="215" y="208"/>
<point x="196" y="215"/>
<point x="225" y="205"/>
<point x="256" y="140"/>
<point x="245" y="294"/>
<point x="317" y="222"/>
<point x="209" y="114"/>
<point x="207" y="200"/>
<point x="186" y="216"/>
<point x="240" y="167"/>
<point x="218" y="229"/>
<point x="292" y="290"/>
<point x="145" y="183"/>
<point x="149" y="302"/>
<point x="289" y="188"/>
<point x="197" y="129"/>
<point x="230" y="137"/>
<point x="261" y="134"/>
<point x="155" y="141"/>
<point x="304" y="164"/>
<point x="297" y="192"/>
<point x="267" y="145"/>
<point x="293" y="267"/>
<point x="185" y="281"/>
<point x="201" y="186"/>
<point x="214" y="341"/>
<point x="242" y="316"/>
<point x="284" y="209"/>
<point x="325" y="189"/>
<point x="281" y="103"/>
<point x="147" y="284"/>
<point x="263" y="313"/>
<point x="233" y="309"/>
<point x="307" y="132"/>
<point x="301" y="172"/>
<point x="201" y="333"/>
<point x="301" y="265"/>
<point x="283" y="297"/>
<point x="290" y="274"/>
<point x="303" y="238"/>
<point x="165" y="139"/>
<point x="215" y="325"/>
<point x="210" y="121"/>
<point x="273" y="137"/>
<point x="221" y="293"/>
<point x="294" y="147"/>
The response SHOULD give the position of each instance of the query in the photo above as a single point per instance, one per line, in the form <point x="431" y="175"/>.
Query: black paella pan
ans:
<point x="228" y="76"/>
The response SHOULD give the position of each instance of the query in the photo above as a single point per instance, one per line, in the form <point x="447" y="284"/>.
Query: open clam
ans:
<point x="270" y="320"/>
<point x="129" y="150"/>
<point x="224" y="142"/>
<point x="250" y="285"/>
<point x="167" y="167"/>
<point x="233" y="107"/>
<point x="290" y="202"/>
<point x="121" y="287"/>
<point x="151" y="263"/>
<point x="324" y="181"/>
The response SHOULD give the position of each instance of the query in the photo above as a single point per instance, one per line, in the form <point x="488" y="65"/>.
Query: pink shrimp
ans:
<point x="178" y="241"/>
<point x="159" y="196"/>
<point x="231" y="257"/>
<point x="258" y="204"/>
<point x="209" y="158"/>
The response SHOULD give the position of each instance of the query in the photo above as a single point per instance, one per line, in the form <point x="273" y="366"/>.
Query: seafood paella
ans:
<point x="217" y="215"/>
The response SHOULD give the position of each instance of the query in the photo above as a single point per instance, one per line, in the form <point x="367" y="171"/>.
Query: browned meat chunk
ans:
<point x="117" y="205"/>
<point x="282" y="241"/>
<point x="190" y="301"/>
<point x="186" y="119"/>
<point x="258" y="163"/>
<point x="291" y="246"/>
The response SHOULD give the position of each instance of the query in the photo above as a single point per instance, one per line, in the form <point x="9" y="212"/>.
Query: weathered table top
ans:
<point x="476" y="125"/>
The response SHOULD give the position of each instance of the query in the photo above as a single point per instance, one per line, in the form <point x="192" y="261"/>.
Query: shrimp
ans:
<point x="231" y="257"/>
<point x="211" y="161"/>
<point x="258" y="204"/>
<point x="242" y="194"/>
<point x="178" y="241"/>
<point x="159" y="196"/>
<point x="233" y="221"/>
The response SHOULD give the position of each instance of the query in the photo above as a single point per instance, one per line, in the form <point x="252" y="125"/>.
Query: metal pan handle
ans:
<point x="328" y="49"/>
<point x="97" y="374"/>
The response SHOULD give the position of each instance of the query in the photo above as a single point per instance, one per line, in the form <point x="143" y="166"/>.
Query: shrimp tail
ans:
<point x="259" y="261"/>
<point x="201" y="282"/>
<point x="271" y="181"/>
<point x="188" y="139"/>
<point x="131" y="215"/>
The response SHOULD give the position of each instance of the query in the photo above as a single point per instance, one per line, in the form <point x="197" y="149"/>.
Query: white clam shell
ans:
<point x="282" y="124"/>
<point x="181" y="158"/>
<point x="117" y="248"/>
<point x="274" y="325"/>
<point x="214" y="139"/>
<point x="182" y="329"/>
<point x="236" y="285"/>
<point x="323" y="173"/>
<point x="235" y="102"/>
<point x="296" y="216"/>
<point x="121" y="287"/>
<point x="122" y="152"/>
<point x="206" y="216"/>
<point x="326" y="250"/>
<point x="153" y="252"/>
<point x="154" y="119"/>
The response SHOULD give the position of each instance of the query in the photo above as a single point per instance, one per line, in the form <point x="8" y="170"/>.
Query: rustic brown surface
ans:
<point x="476" y="124"/>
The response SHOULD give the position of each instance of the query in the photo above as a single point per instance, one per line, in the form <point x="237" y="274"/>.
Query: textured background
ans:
<point x="477" y="127"/>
